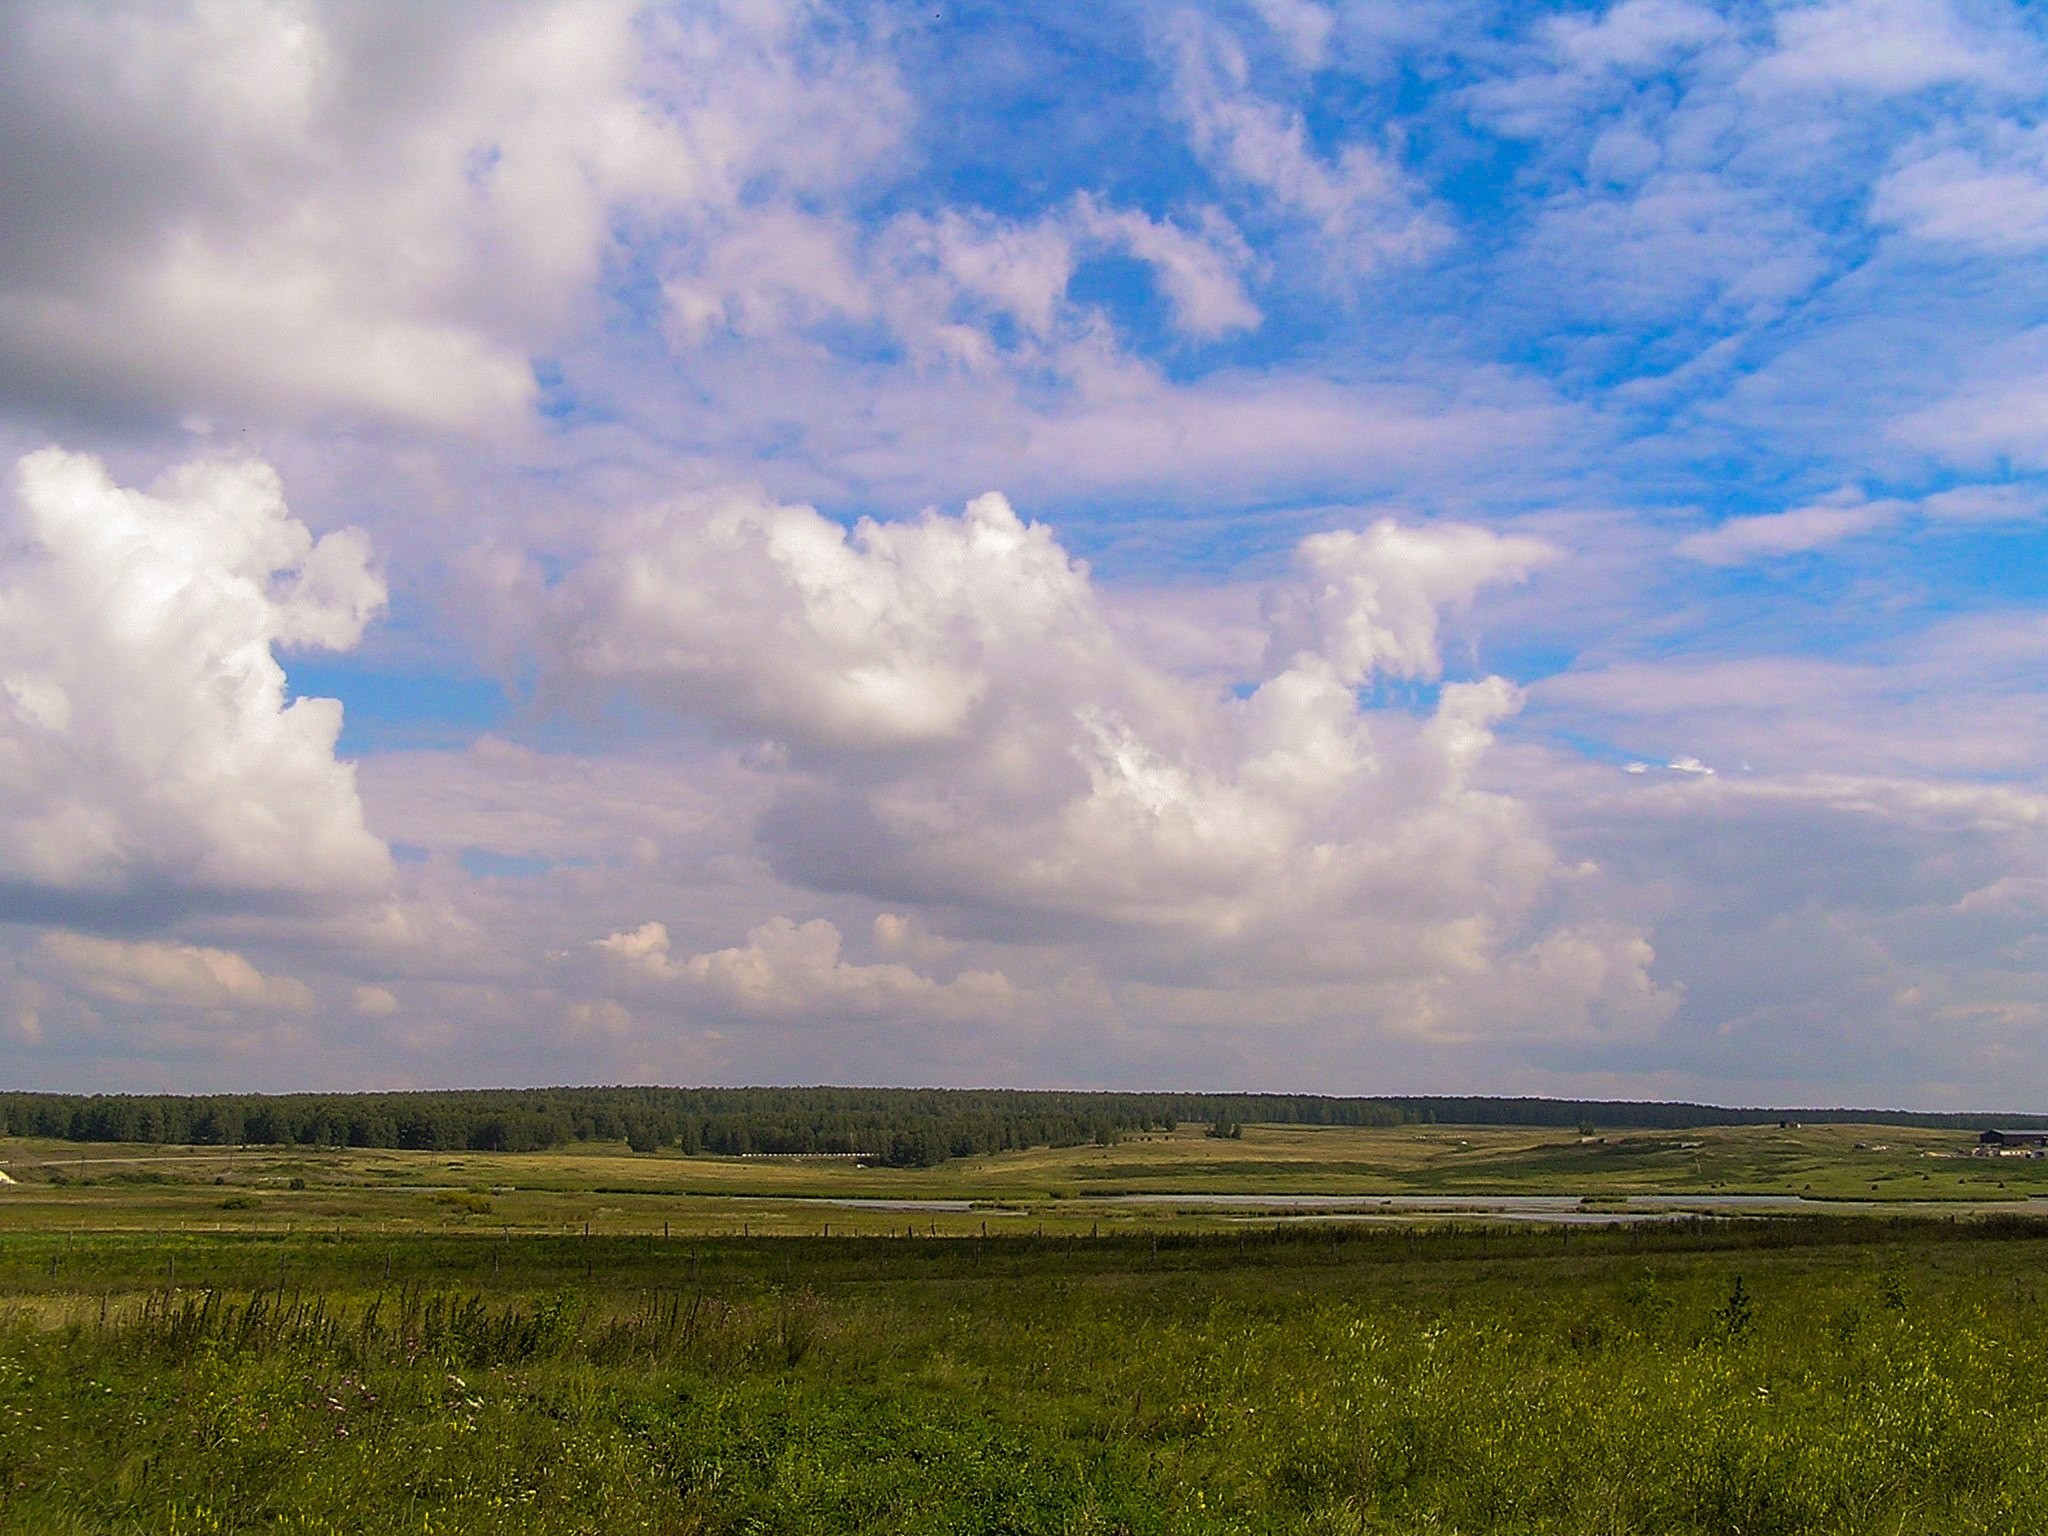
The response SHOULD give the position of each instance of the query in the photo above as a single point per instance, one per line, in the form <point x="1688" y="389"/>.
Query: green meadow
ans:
<point x="110" y="1186"/>
<point x="211" y="1340"/>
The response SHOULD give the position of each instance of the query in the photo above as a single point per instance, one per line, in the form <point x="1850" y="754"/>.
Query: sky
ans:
<point x="1387" y="547"/>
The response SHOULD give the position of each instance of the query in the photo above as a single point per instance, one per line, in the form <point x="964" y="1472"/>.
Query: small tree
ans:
<point x="1736" y="1313"/>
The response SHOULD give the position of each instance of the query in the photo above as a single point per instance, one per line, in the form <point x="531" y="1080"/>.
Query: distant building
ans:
<point x="2033" y="1144"/>
<point x="2013" y="1139"/>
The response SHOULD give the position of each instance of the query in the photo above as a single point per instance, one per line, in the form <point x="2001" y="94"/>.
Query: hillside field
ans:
<point x="68" y="1186"/>
<point x="214" y="1341"/>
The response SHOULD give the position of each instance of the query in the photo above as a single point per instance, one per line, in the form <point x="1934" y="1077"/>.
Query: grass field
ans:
<point x="64" y="1185"/>
<point x="412" y="1343"/>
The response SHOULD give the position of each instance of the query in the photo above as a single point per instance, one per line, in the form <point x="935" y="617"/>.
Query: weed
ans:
<point x="1734" y="1315"/>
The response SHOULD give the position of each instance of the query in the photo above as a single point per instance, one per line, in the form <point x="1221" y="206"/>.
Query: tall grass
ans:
<point x="1737" y="1381"/>
<point x="417" y="1324"/>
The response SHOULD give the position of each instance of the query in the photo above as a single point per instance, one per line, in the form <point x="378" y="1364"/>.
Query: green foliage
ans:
<point x="905" y="1127"/>
<point x="1649" y="1301"/>
<point x="902" y="1127"/>
<point x="1891" y="1286"/>
<point x="1301" y="1382"/>
<point x="1733" y="1317"/>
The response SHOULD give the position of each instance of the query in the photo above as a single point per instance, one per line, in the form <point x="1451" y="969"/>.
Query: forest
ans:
<point x="904" y="1127"/>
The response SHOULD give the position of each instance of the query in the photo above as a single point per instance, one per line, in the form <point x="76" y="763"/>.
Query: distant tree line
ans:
<point x="908" y="1127"/>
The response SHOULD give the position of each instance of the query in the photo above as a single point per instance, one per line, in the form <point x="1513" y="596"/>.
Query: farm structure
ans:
<point x="1998" y="1143"/>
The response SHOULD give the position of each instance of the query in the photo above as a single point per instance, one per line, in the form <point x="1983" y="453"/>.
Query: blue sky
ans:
<point x="1290" y="545"/>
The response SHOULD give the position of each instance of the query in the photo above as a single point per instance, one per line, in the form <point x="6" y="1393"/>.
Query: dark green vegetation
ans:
<point x="1149" y="1335"/>
<point x="902" y="1126"/>
<point x="1184" y="1178"/>
<point x="1811" y="1375"/>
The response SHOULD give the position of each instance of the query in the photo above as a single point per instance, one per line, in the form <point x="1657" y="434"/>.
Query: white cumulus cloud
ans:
<point x="150" y="973"/>
<point x="966" y="732"/>
<point x="147" y="749"/>
<point x="374" y="1002"/>
<point x="308" y="210"/>
<point x="1369" y="602"/>
<point x="791" y="969"/>
<point x="884" y="638"/>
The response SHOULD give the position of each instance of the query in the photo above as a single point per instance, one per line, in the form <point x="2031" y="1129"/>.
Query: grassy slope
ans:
<point x="125" y="1186"/>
